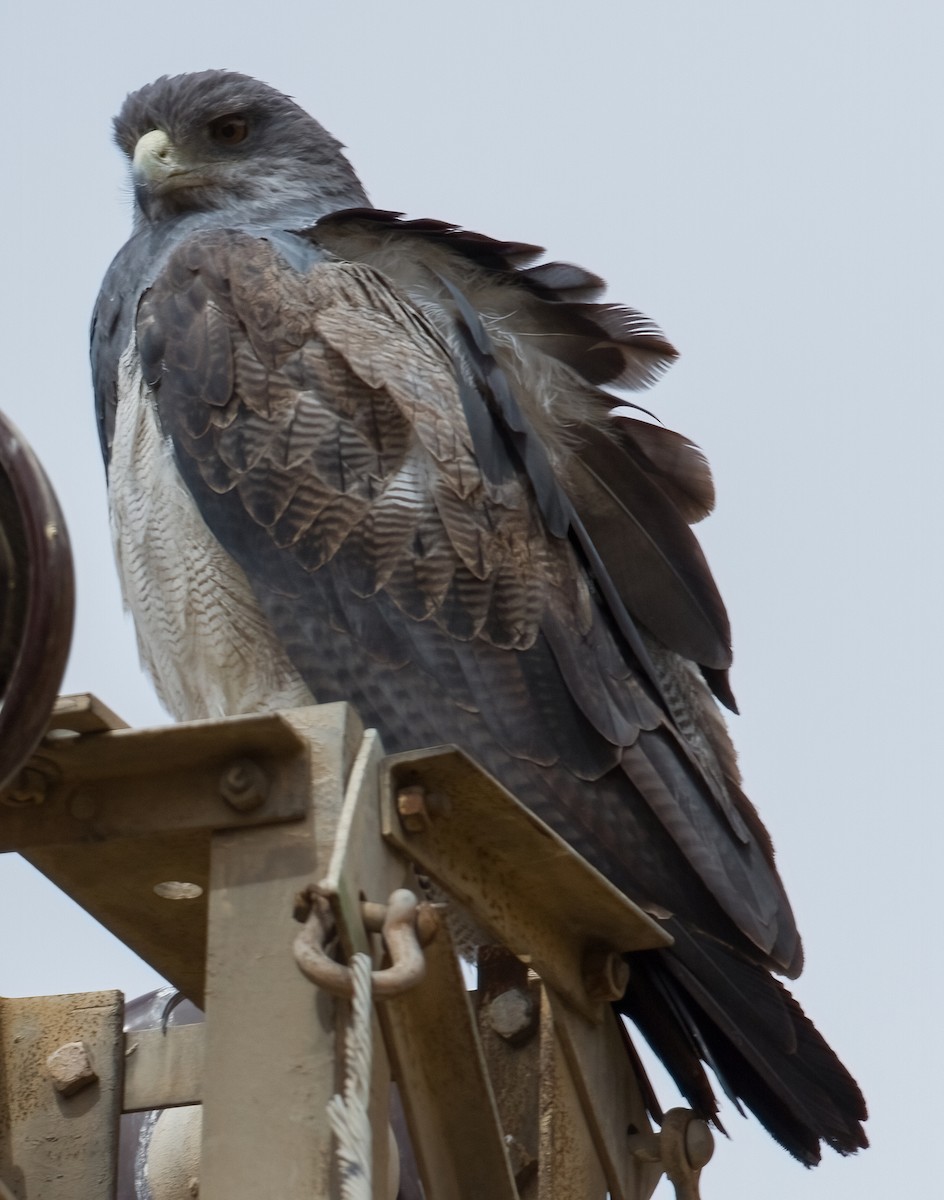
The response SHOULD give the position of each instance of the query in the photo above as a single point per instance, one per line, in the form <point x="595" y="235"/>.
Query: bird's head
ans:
<point x="219" y="142"/>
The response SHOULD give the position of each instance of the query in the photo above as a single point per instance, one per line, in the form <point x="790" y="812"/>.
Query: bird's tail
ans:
<point x="702" y="1002"/>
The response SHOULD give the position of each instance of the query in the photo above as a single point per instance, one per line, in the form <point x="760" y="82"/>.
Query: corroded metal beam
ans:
<point x="525" y="884"/>
<point x="192" y="844"/>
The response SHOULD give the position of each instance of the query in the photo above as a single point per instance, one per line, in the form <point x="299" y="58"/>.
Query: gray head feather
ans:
<point x="287" y="168"/>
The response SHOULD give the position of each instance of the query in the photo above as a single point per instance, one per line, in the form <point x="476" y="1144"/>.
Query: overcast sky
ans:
<point x="764" y="181"/>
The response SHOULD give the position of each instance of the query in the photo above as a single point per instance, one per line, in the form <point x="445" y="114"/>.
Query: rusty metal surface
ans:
<point x="270" y="1051"/>
<point x="456" y="1136"/>
<point x="682" y="1148"/>
<point x="513" y="1064"/>
<point x="119" y="812"/>
<point x="545" y="1123"/>
<point x="70" y="1068"/>
<point x="610" y="1098"/>
<point x="438" y="1064"/>
<point x="570" y="1106"/>
<point x="55" y="1146"/>
<point x="128" y="783"/>
<point x="561" y="1100"/>
<point x="114" y="882"/>
<point x="568" y="1165"/>
<point x="400" y="936"/>
<point x="37" y="599"/>
<point x="519" y="879"/>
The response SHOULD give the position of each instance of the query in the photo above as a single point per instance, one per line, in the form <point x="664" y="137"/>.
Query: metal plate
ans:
<point x="55" y="1146"/>
<point x="513" y="873"/>
<point x="116" y="813"/>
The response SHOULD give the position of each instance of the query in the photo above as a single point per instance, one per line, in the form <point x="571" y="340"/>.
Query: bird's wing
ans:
<point x="320" y="422"/>
<point x="636" y="485"/>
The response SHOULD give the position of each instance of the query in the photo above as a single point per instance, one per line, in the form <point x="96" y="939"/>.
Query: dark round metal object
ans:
<point x="37" y="600"/>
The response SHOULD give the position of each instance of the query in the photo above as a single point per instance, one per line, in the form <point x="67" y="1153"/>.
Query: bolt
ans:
<point x="699" y="1143"/>
<point x="512" y="1015"/>
<point x="28" y="788"/>
<point x="70" y="1068"/>
<point x="244" y="785"/>
<point x="411" y="805"/>
<point x="605" y="974"/>
<point x="428" y="921"/>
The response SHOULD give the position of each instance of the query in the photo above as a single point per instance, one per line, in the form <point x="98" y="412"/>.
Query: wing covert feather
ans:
<point x="340" y="473"/>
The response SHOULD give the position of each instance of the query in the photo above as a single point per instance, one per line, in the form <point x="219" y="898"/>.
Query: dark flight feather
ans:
<point x="654" y="560"/>
<point x="784" y="1070"/>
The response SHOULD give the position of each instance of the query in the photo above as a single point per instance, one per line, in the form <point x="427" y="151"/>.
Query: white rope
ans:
<point x="350" y="1120"/>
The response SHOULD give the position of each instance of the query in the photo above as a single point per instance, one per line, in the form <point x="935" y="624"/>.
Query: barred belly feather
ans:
<point x="201" y="635"/>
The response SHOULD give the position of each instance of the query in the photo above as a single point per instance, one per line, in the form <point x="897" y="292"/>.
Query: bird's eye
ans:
<point x="229" y="130"/>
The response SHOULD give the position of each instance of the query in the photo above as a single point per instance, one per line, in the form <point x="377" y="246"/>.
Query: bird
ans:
<point x="356" y="456"/>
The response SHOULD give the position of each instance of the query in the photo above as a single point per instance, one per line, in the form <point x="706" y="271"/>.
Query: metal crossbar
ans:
<point x="194" y="843"/>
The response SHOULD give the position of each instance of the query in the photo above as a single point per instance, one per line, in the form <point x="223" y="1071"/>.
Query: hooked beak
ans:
<point x="157" y="166"/>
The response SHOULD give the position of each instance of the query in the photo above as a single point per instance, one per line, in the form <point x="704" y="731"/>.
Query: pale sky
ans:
<point x="761" y="179"/>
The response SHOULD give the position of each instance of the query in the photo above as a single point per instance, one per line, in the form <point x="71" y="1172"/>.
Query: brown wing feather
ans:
<point x="676" y="464"/>
<point x="400" y="578"/>
<point x="546" y="305"/>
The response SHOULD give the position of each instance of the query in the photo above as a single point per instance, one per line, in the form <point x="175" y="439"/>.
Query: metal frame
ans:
<point x="525" y="1090"/>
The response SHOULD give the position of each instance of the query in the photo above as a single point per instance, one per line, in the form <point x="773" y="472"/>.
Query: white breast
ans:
<point x="201" y="635"/>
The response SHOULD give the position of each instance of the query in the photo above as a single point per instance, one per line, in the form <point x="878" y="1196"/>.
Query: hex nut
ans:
<point x="70" y="1068"/>
<point x="27" y="789"/>
<point x="411" y="805"/>
<point x="605" y="974"/>
<point x="244" y="785"/>
<point x="699" y="1143"/>
<point x="512" y="1015"/>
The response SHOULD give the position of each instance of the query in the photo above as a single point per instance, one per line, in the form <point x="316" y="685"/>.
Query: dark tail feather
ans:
<point x="702" y="1002"/>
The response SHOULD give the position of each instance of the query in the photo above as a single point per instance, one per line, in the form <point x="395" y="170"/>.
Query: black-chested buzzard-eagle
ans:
<point x="357" y="457"/>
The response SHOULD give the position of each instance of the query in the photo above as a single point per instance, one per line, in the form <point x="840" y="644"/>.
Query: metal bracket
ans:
<point x="443" y="812"/>
<point x="251" y="810"/>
